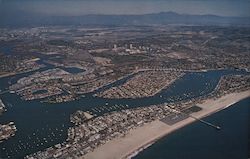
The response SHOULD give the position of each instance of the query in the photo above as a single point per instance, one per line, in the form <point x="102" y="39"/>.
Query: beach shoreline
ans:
<point x="137" y="140"/>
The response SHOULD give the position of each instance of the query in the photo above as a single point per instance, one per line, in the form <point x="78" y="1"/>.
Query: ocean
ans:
<point x="41" y="125"/>
<point x="197" y="140"/>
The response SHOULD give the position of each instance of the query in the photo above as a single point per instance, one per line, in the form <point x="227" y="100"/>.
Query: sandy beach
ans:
<point x="123" y="147"/>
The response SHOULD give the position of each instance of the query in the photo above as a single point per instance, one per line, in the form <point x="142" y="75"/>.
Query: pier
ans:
<point x="197" y="119"/>
<point x="205" y="122"/>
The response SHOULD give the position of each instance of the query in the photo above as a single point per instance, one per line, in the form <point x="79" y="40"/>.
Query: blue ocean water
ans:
<point x="41" y="125"/>
<point x="197" y="140"/>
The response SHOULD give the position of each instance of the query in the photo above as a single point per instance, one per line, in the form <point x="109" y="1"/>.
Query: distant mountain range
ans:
<point x="163" y="18"/>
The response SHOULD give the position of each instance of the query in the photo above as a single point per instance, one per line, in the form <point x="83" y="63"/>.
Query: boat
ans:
<point x="218" y="128"/>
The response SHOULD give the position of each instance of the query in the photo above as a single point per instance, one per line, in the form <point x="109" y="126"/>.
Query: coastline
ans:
<point x="136" y="140"/>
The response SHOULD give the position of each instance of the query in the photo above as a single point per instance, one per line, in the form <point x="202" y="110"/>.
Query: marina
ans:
<point x="29" y="136"/>
<point x="84" y="80"/>
<point x="115" y="79"/>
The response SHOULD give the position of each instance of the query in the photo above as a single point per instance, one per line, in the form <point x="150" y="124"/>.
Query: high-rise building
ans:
<point x="130" y="46"/>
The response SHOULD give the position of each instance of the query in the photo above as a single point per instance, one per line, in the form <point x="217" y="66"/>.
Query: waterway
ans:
<point x="73" y="70"/>
<point x="41" y="125"/>
<point x="198" y="140"/>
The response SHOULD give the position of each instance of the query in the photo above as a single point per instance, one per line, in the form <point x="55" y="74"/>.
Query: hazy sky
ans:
<point x="82" y="7"/>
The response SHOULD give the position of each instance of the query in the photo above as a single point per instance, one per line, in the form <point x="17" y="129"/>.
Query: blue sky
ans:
<point x="82" y="7"/>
